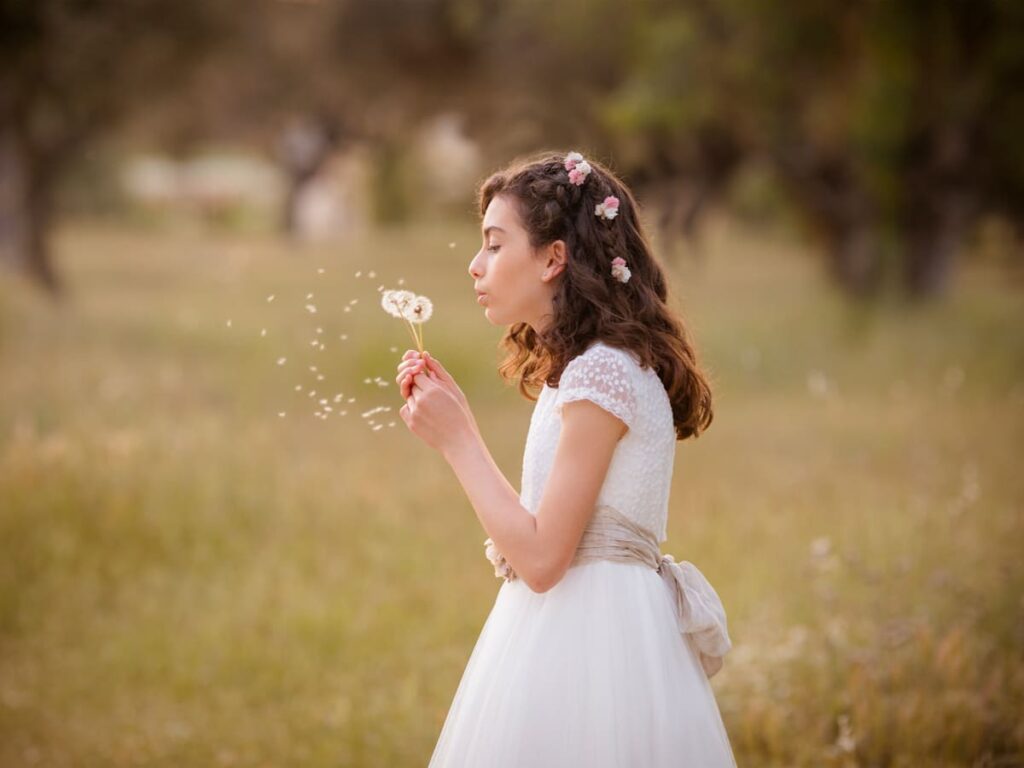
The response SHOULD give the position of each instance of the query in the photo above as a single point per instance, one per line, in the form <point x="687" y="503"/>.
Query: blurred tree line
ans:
<point x="892" y="129"/>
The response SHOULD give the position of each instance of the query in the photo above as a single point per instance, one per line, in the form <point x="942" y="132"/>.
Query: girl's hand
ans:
<point x="434" y="414"/>
<point x="412" y="365"/>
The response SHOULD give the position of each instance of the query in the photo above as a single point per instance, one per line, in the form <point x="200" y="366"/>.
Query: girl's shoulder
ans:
<point x="601" y="360"/>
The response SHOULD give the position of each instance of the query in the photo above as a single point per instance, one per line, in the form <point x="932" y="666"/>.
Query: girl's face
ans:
<point x="517" y="281"/>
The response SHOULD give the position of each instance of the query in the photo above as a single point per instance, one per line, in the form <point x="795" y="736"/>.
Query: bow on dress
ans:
<point x="610" y="535"/>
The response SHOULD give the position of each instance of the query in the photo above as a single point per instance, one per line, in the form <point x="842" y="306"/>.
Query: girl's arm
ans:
<point x="540" y="549"/>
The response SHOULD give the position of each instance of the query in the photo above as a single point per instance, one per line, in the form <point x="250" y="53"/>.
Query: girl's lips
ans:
<point x="480" y="297"/>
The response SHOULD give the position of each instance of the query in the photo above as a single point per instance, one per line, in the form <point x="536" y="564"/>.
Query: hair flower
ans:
<point x="580" y="172"/>
<point x="608" y="208"/>
<point x="571" y="159"/>
<point x="619" y="270"/>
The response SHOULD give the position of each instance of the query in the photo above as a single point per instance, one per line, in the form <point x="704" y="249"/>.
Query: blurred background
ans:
<point x="219" y="544"/>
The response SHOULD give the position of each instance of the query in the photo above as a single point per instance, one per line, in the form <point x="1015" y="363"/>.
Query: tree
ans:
<point x="70" y="71"/>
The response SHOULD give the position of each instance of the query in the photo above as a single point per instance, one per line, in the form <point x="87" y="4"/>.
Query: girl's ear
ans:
<point x="557" y="256"/>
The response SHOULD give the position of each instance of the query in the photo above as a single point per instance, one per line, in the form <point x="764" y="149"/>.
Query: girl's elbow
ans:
<point x="545" y="577"/>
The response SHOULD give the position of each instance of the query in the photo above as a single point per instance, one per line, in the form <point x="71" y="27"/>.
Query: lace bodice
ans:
<point x="640" y="474"/>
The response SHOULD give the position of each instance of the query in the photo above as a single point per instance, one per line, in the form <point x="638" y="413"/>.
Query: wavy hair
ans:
<point x="590" y="304"/>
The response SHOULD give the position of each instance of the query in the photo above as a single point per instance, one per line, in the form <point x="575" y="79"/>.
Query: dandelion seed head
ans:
<point x="323" y="401"/>
<point x="371" y="274"/>
<point x="309" y="296"/>
<point x="298" y="387"/>
<point x="320" y="270"/>
<point x="343" y="336"/>
<point x="319" y="330"/>
<point x="347" y="309"/>
<point x="311" y="309"/>
<point x="229" y="323"/>
<point x="282" y="360"/>
<point x="420" y="310"/>
<point x="313" y="368"/>
<point x="359" y="273"/>
<point x="270" y="298"/>
<point x="319" y="377"/>
<point x="263" y="332"/>
<point x="281" y="414"/>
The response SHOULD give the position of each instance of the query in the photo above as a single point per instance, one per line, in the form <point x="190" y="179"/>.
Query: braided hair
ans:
<point x="564" y="197"/>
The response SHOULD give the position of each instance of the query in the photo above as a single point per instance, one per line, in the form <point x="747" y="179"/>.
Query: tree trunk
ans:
<point x="38" y="208"/>
<point x="856" y="262"/>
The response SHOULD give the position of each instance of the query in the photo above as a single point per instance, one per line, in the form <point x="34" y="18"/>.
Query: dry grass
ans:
<point x="188" y="579"/>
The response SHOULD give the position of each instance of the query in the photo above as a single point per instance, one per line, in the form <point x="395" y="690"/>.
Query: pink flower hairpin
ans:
<point x="619" y="270"/>
<point x="608" y="208"/>
<point x="577" y="167"/>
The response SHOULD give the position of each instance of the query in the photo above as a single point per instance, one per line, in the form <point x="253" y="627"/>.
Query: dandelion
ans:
<point x="270" y="298"/>
<point x="343" y="336"/>
<point x="281" y="414"/>
<point x="319" y="377"/>
<point x="229" y="323"/>
<point x="323" y="401"/>
<point x="347" y="309"/>
<point x="309" y="296"/>
<point x="298" y="387"/>
<point x="451" y="245"/>
<point x="415" y="310"/>
<point x="320" y="270"/>
<point x="263" y="332"/>
<point x="401" y="281"/>
<point x="313" y="368"/>
<point x="371" y="274"/>
<point x="319" y="330"/>
<point x="312" y="393"/>
<point x="282" y="360"/>
<point x="311" y="309"/>
<point x="360" y="272"/>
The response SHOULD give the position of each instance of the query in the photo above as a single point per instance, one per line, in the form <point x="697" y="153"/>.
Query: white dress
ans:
<point x="594" y="672"/>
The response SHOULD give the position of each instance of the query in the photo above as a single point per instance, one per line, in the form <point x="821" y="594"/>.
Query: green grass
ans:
<point x="188" y="579"/>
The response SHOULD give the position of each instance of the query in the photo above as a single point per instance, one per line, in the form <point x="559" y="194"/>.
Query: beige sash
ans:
<point x="610" y="535"/>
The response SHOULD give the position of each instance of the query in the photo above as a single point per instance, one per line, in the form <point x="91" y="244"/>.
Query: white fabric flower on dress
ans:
<point x="501" y="567"/>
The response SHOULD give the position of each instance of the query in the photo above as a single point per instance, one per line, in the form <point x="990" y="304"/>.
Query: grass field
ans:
<point x="189" y="579"/>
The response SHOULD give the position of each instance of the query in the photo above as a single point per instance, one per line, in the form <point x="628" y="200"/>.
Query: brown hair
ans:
<point x="589" y="303"/>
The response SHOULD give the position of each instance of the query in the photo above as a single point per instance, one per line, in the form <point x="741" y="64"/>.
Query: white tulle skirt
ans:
<point x="591" y="673"/>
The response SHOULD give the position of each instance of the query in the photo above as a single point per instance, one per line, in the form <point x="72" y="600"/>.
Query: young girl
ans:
<point x="598" y="649"/>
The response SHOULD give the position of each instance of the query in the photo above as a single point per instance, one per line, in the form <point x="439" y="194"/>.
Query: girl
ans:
<point x="598" y="649"/>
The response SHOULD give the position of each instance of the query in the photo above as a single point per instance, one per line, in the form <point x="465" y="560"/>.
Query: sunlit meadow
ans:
<point x="200" y="565"/>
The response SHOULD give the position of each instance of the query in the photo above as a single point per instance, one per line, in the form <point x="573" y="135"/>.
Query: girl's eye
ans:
<point x="493" y="248"/>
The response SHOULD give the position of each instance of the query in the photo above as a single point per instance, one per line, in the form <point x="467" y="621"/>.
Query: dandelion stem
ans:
<point x="415" y="338"/>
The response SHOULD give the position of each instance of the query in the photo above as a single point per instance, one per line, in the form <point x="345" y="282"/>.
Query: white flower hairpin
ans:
<point x="577" y="167"/>
<point x="619" y="270"/>
<point x="608" y="208"/>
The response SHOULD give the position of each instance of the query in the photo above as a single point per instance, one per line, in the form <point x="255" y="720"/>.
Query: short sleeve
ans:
<point x="603" y="376"/>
